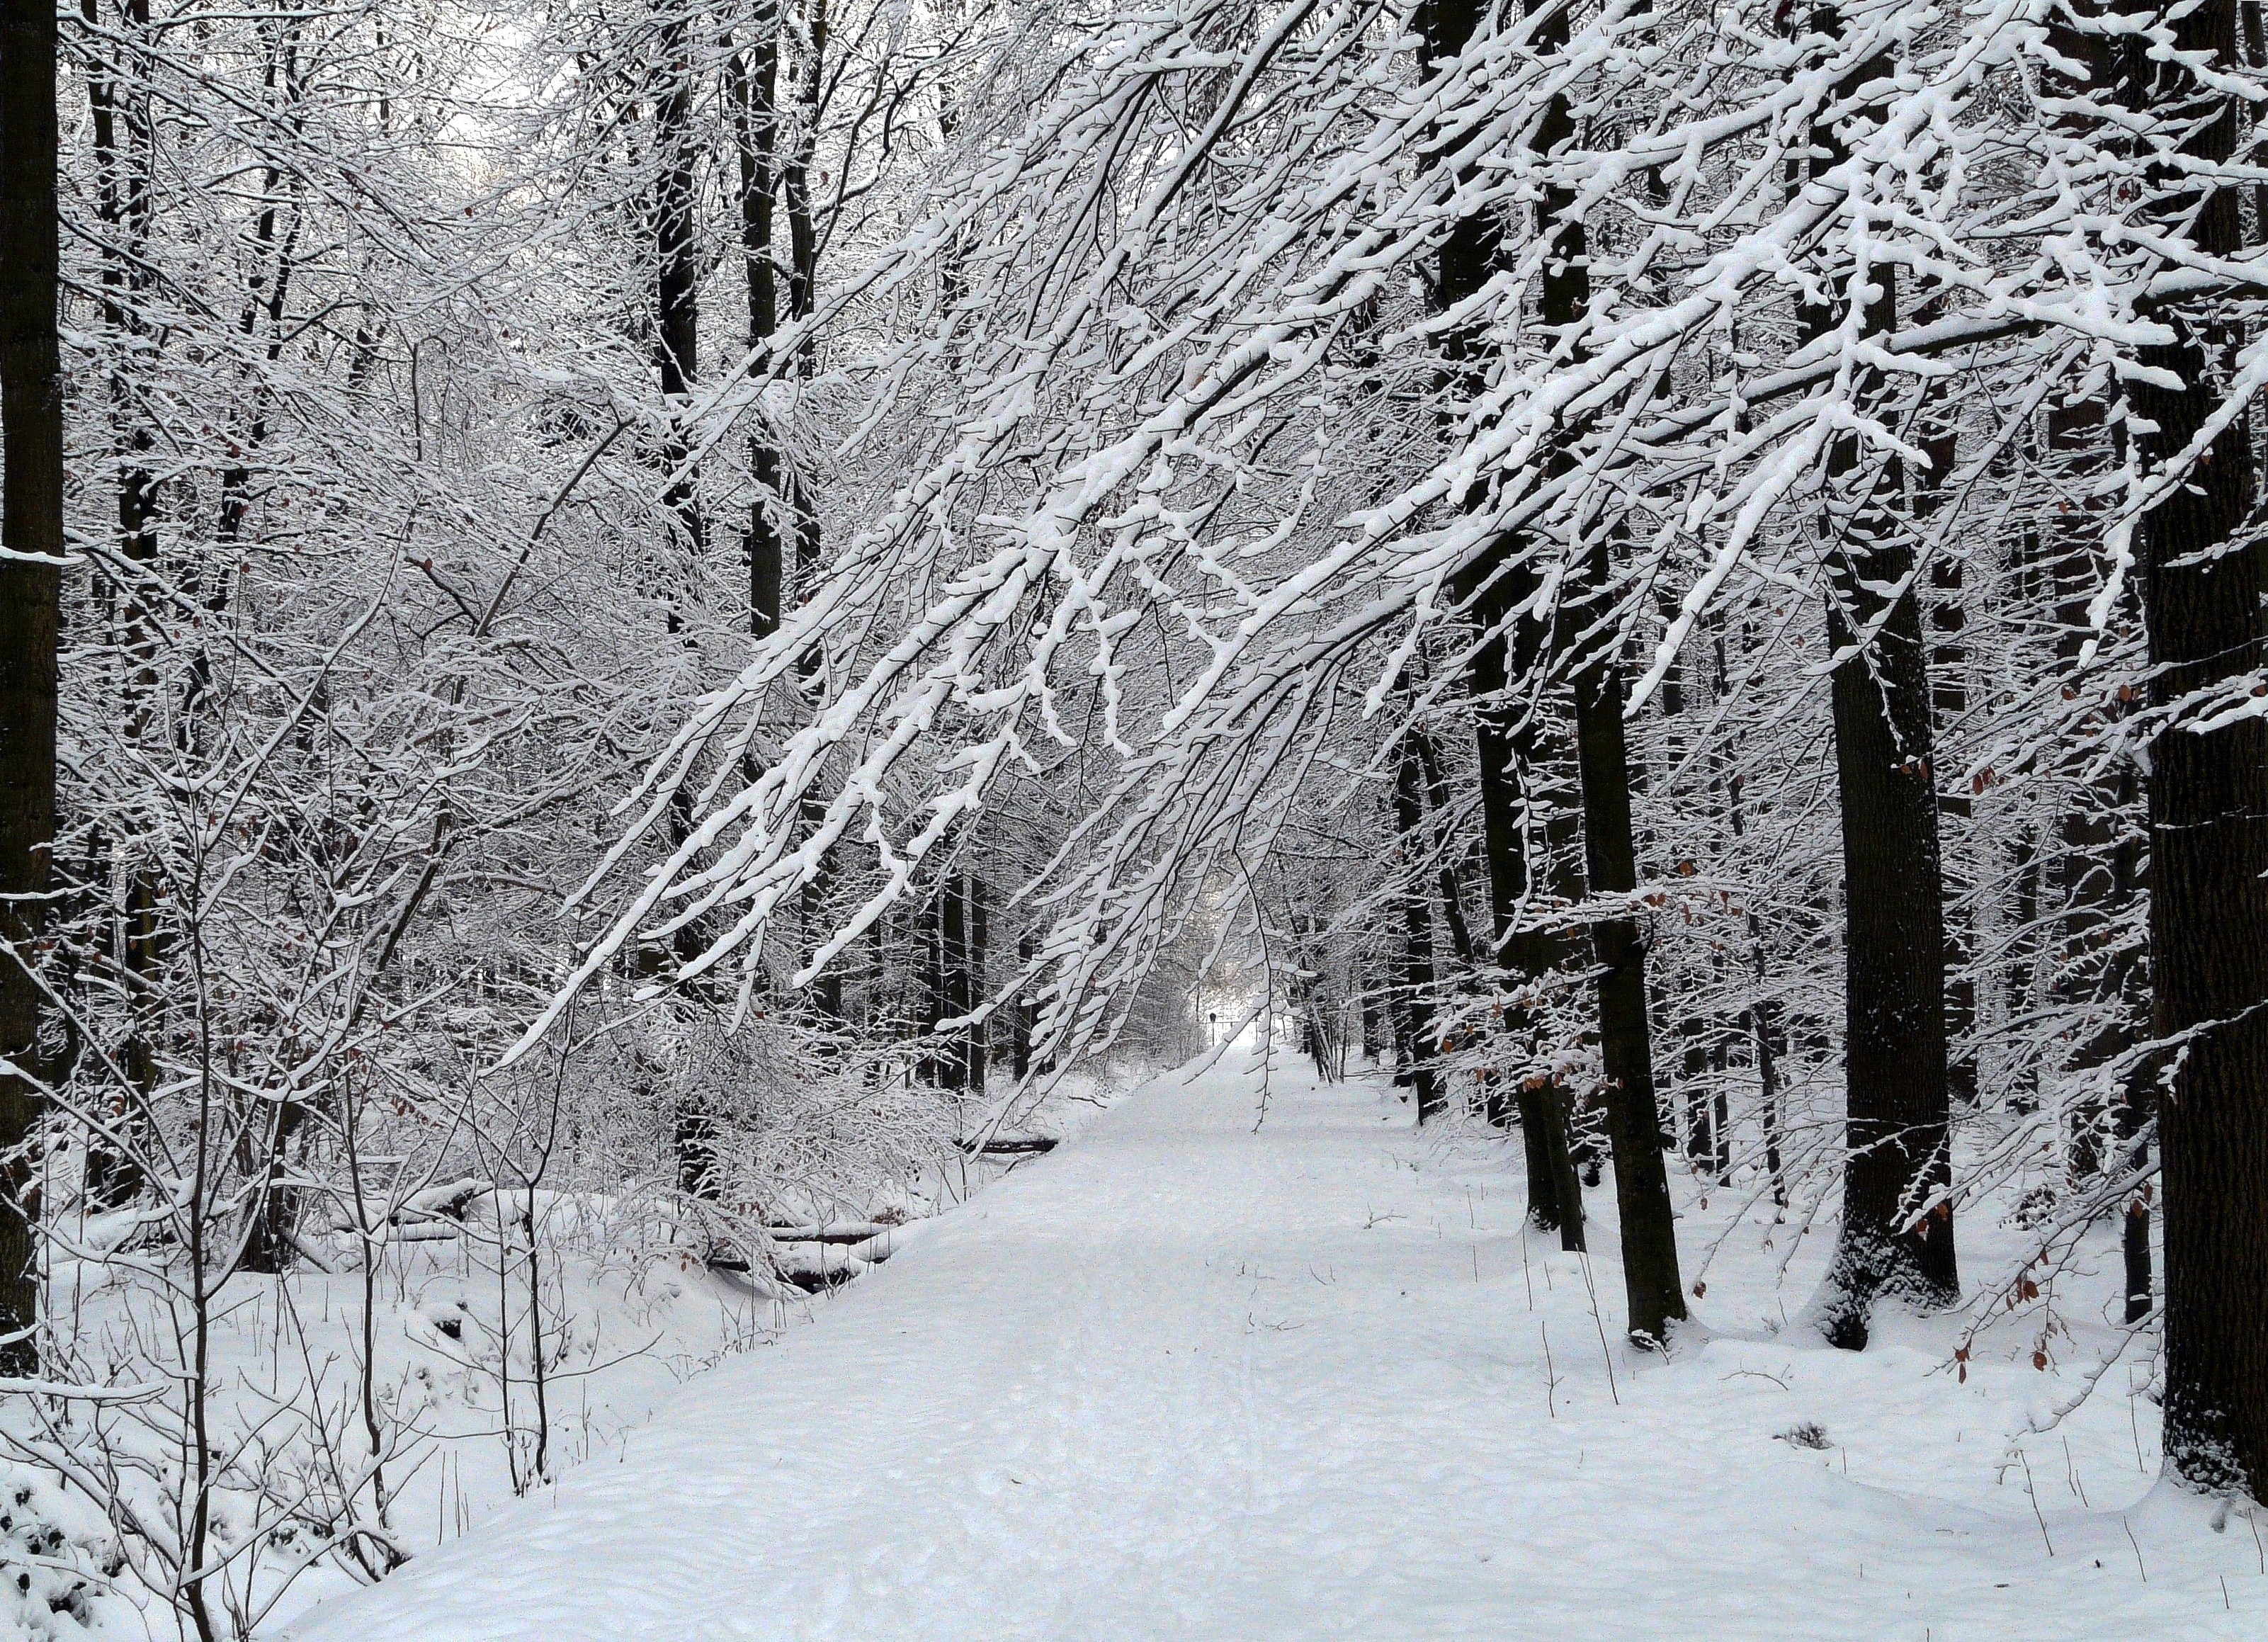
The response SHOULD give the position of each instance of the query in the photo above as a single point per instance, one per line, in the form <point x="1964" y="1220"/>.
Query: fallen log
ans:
<point x="837" y="1232"/>
<point x="1010" y="1146"/>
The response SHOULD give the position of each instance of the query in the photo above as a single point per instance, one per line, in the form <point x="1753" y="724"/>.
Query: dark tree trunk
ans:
<point x="1655" y="1291"/>
<point x="952" y="980"/>
<point x="1020" y="1044"/>
<point x="755" y="87"/>
<point x="1471" y="254"/>
<point x="2023" y="958"/>
<point x="117" y="97"/>
<point x="1416" y="935"/>
<point x="32" y="530"/>
<point x="975" y="1049"/>
<point x="1693" y="1090"/>
<point x="816" y="906"/>
<point x="1895" y="1061"/>
<point x="1897" y="1089"/>
<point x="677" y="277"/>
<point x="1373" y="1037"/>
<point x="1650" y="1267"/>
<point x="2208" y="815"/>
<point x="677" y="332"/>
<point x="1507" y="756"/>
<point x="928" y="965"/>
<point x="274" y="1215"/>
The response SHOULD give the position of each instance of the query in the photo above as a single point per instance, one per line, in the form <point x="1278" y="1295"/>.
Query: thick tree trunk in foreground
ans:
<point x="30" y="523"/>
<point x="1894" y="1055"/>
<point x="2208" y="807"/>
<point x="1895" y="1076"/>
<point x="1895" y="1063"/>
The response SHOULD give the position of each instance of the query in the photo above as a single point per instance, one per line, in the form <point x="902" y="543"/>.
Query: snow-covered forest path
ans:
<point x="1185" y="1379"/>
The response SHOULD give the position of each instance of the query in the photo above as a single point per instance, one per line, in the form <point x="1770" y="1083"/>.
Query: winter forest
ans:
<point x="839" y="790"/>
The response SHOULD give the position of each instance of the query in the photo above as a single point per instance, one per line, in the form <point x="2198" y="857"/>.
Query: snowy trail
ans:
<point x="1183" y="1380"/>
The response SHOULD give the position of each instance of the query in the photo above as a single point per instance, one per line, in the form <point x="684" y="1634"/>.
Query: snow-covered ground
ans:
<point x="1187" y="1378"/>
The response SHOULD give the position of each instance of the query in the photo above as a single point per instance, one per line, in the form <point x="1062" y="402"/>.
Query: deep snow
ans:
<point x="1183" y="1379"/>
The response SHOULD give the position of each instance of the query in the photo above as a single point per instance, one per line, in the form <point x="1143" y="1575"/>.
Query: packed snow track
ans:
<point x="1191" y="1378"/>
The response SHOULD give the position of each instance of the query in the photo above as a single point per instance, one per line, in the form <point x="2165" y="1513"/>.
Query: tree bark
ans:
<point x="31" y="586"/>
<point x="952" y="999"/>
<point x="755" y="88"/>
<point x="1504" y="741"/>
<point x="677" y="361"/>
<point x="1020" y="1042"/>
<point x="117" y="96"/>
<point x="815" y="906"/>
<point x="1897" y="1091"/>
<point x="1655" y="1291"/>
<point x="1894" y="1058"/>
<point x="2208" y="814"/>
<point x="974" y="1046"/>
<point x="677" y="277"/>
<point x="1416" y="935"/>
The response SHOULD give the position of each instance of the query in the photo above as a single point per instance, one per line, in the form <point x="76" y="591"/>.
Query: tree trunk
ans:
<point x="1651" y="1282"/>
<point x="755" y="91"/>
<point x="974" y="1047"/>
<point x="677" y="335"/>
<point x="2208" y="814"/>
<point x="1895" y="1063"/>
<point x="31" y="585"/>
<point x="117" y="96"/>
<point x="816" y="902"/>
<point x="1019" y="1044"/>
<point x="1453" y="900"/>
<point x="952" y="979"/>
<point x="1416" y="935"/>
<point x="1470" y="255"/>
<point x="1896" y="1089"/>
<point x="677" y="275"/>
